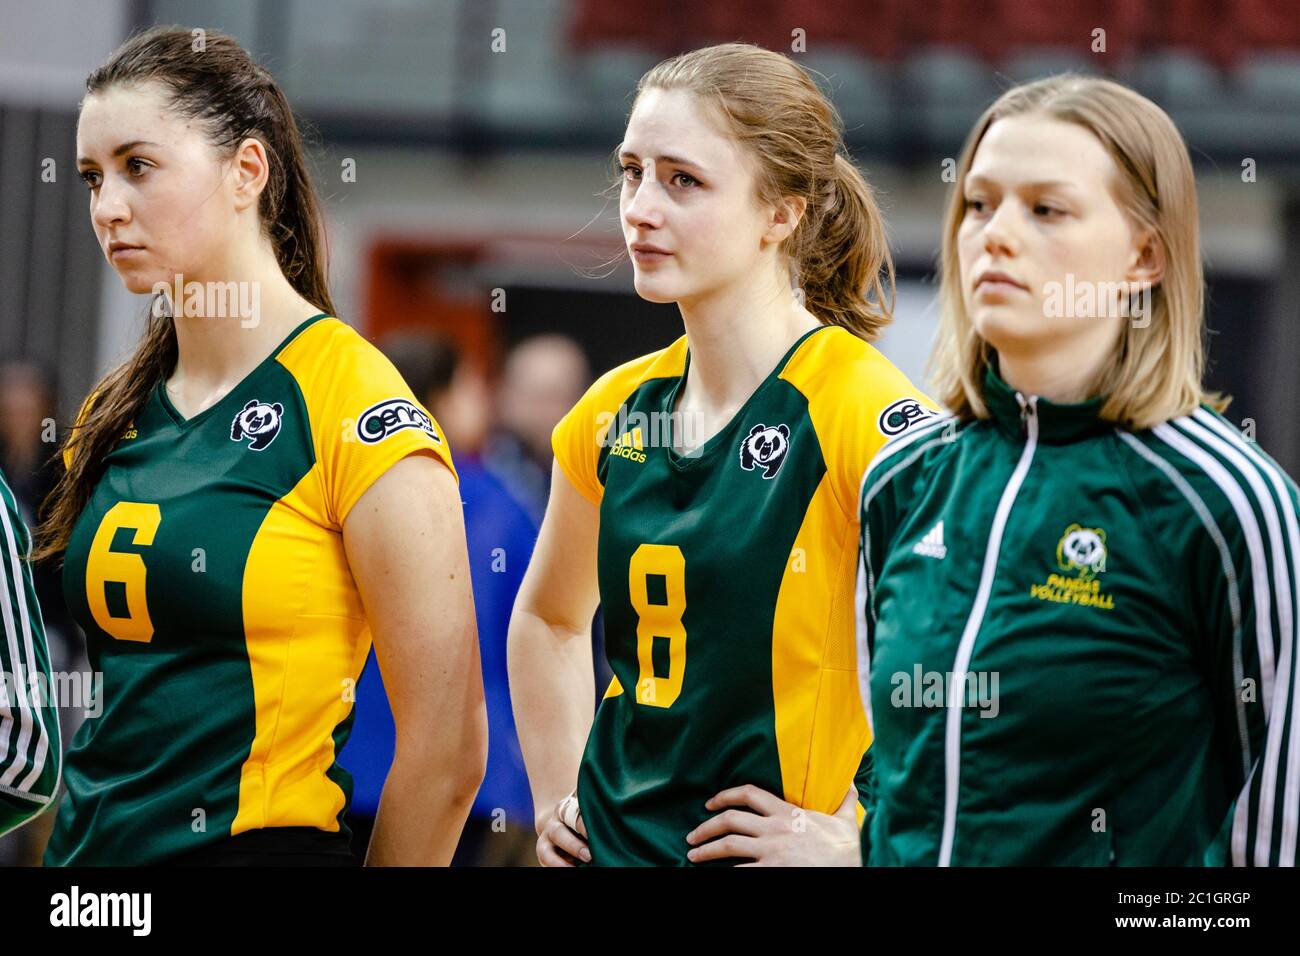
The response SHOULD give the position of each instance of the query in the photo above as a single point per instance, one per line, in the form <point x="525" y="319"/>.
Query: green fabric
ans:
<point x="158" y="772"/>
<point x="1143" y="584"/>
<point x="648" y="770"/>
<point x="30" y="751"/>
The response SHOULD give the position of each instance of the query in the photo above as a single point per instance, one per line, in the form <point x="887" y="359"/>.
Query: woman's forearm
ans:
<point x="422" y="812"/>
<point x="553" y="690"/>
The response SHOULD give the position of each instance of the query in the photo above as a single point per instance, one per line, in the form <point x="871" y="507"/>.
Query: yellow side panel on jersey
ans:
<point x="304" y="621"/>
<point x="821" y="728"/>
<point x="581" y="433"/>
<point x="307" y="637"/>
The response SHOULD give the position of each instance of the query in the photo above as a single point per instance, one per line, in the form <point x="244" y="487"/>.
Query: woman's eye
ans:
<point x="631" y="173"/>
<point x="136" y="166"/>
<point x="975" y="205"/>
<point x="685" y="179"/>
<point x="90" y="178"/>
<point x="1042" y="210"/>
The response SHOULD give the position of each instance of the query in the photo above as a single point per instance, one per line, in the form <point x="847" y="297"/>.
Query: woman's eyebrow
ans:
<point x="662" y="158"/>
<point x="1035" y="184"/>
<point x="124" y="148"/>
<point x="975" y="179"/>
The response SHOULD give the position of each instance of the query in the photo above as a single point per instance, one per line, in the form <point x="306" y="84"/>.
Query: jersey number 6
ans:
<point x="659" y="619"/>
<point x="107" y="566"/>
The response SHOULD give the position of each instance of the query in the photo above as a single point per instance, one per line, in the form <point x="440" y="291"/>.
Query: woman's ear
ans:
<point x="251" y="169"/>
<point x="1147" y="264"/>
<point x="785" y="218"/>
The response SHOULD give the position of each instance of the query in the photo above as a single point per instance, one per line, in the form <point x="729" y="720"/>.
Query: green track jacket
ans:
<point x="1077" y="645"/>
<point x="30" y="753"/>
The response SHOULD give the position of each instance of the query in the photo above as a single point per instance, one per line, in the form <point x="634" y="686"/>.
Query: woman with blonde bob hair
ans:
<point x="1077" y="633"/>
<point x="1154" y="372"/>
<point x="1117" y="605"/>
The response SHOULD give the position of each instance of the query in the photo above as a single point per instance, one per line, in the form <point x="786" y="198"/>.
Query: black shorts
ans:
<point x="275" y="846"/>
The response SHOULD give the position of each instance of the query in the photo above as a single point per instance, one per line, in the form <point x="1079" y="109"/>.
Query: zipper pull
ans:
<point x="1028" y="412"/>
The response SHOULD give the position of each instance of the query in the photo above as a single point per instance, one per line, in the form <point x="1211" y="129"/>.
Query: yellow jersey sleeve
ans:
<point x="364" y="418"/>
<point x="857" y="400"/>
<point x="581" y="434"/>
<point x="576" y="441"/>
<point x="69" y="447"/>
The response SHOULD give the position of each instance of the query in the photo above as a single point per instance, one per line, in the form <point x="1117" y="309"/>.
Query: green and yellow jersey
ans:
<point x="727" y="582"/>
<point x="209" y="573"/>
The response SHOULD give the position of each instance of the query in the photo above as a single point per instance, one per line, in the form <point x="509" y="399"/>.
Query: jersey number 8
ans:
<point x="660" y="619"/>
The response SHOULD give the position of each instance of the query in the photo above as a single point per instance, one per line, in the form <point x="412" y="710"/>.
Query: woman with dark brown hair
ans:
<point x="249" y="498"/>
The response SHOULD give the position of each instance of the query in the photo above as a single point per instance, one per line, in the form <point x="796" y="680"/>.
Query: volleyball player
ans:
<point x="249" y="500"/>
<point x="705" y="495"/>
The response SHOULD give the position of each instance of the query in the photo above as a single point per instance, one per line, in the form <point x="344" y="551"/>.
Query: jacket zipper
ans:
<point x="966" y="646"/>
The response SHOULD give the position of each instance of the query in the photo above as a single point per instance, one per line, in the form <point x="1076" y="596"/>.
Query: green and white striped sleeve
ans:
<point x="878" y="507"/>
<point x="30" y="754"/>
<point x="1248" y="583"/>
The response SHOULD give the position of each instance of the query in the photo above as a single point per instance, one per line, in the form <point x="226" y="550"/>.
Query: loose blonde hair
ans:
<point x="773" y="108"/>
<point x="1155" y="372"/>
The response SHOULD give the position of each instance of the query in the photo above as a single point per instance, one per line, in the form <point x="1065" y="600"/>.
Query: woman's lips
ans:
<point x="646" y="254"/>
<point x="998" y="287"/>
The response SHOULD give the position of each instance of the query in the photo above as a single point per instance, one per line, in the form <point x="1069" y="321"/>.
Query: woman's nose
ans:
<point x="645" y="207"/>
<point x="110" y="205"/>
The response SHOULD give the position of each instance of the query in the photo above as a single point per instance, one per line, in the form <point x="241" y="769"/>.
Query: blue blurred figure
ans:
<point x="500" y="534"/>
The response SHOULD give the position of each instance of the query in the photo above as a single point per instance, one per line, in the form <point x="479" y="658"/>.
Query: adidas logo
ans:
<point x="630" y="445"/>
<point x="932" y="546"/>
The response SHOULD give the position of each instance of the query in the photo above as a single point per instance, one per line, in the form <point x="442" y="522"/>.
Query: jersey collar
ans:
<point x="1058" y="423"/>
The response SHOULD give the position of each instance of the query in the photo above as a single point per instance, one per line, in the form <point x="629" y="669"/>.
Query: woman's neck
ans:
<point x="1057" y="375"/>
<point x="736" y="337"/>
<point x="260" y="309"/>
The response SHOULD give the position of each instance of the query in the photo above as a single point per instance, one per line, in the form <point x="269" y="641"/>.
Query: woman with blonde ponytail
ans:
<point x="249" y="499"/>
<point x="705" y="495"/>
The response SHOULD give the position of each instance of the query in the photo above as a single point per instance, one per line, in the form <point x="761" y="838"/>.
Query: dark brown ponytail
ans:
<point x="209" y="78"/>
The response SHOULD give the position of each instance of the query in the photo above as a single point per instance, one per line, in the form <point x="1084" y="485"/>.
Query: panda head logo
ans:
<point x="765" y="447"/>
<point x="258" y="422"/>
<point x="1082" y="549"/>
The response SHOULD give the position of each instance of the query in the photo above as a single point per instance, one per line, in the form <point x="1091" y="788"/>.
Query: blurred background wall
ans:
<point x="480" y="132"/>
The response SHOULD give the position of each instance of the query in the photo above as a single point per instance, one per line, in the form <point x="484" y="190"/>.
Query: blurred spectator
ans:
<point x="27" y="438"/>
<point x="500" y="536"/>
<point x="544" y="377"/>
<point x="28" y="442"/>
